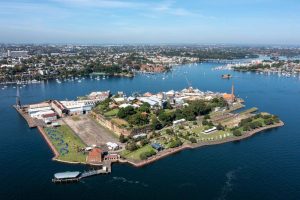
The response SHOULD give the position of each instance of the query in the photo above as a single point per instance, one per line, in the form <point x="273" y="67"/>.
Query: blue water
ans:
<point x="265" y="166"/>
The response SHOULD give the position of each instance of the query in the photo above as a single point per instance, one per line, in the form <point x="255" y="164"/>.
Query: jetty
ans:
<point x="71" y="177"/>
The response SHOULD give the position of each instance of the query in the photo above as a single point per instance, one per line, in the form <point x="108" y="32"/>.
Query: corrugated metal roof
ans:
<point x="64" y="175"/>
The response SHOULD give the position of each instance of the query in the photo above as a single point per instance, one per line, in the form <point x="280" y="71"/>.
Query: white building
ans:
<point x="99" y="96"/>
<point x="177" y="122"/>
<point x="78" y="107"/>
<point x="112" y="146"/>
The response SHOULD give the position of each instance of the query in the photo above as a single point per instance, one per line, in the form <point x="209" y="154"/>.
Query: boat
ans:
<point x="35" y="81"/>
<point x="226" y="76"/>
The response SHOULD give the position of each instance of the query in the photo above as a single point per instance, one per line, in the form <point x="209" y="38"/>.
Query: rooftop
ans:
<point x="64" y="175"/>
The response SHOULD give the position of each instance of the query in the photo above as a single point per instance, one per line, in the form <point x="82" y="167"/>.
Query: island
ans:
<point x="103" y="128"/>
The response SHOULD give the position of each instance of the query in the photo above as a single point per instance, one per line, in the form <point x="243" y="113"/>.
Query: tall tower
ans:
<point x="18" y="101"/>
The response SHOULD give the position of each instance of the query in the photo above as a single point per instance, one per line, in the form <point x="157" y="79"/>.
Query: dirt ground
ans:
<point x="90" y="131"/>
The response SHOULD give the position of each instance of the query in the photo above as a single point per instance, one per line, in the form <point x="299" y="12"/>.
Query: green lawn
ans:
<point x="67" y="143"/>
<point x="135" y="155"/>
<point x="111" y="113"/>
<point x="217" y="135"/>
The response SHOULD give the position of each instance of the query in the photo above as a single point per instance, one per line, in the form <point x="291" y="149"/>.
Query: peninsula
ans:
<point x="101" y="128"/>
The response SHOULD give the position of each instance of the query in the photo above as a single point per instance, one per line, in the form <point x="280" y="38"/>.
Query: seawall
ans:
<point x="168" y="152"/>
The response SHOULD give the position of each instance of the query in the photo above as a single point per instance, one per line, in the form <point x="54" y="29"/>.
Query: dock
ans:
<point x="32" y="122"/>
<point x="71" y="177"/>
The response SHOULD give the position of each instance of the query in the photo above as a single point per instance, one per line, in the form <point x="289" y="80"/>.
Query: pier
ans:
<point x="32" y="122"/>
<point x="71" y="177"/>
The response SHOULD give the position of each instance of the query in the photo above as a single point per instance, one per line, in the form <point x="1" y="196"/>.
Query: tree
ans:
<point x="156" y="125"/>
<point x="145" y="108"/>
<point x="178" y="114"/>
<point x="268" y="121"/>
<point x="147" y="154"/>
<point x="193" y="140"/>
<point x="167" y="105"/>
<point x="166" y="118"/>
<point x="206" y="117"/>
<point x="175" y="143"/>
<point x="220" y="127"/>
<point x="237" y="133"/>
<point x="138" y="119"/>
<point x="131" y="146"/>
<point x="144" y="141"/>
<point x="189" y="113"/>
<point x="122" y="138"/>
<point x="204" y="122"/>
<point x="126" y="112"/>
<point x="246" y="128"/>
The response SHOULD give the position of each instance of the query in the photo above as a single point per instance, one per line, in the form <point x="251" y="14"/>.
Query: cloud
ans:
<point x="170" y="8"/>
<point x="102" y="3"/>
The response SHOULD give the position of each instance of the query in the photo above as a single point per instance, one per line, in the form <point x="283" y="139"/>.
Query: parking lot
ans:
<point x="90" y="131"/>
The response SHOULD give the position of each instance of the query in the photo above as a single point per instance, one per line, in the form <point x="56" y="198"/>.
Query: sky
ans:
<point x="152" y="21"/>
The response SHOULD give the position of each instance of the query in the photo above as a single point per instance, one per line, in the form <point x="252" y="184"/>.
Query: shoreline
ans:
<point x="165" y="153"/>
<point x="159" y="155"/>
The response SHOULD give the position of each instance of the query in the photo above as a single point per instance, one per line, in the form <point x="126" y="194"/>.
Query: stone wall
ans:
<point x="110" y="125"/>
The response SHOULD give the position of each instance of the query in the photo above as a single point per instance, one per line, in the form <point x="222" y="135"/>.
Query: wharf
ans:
<point x="106" y="169"/>
<point x="32" y="123"/>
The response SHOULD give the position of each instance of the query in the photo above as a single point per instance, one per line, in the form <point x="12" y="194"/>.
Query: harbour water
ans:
<point x="265" y="166"/>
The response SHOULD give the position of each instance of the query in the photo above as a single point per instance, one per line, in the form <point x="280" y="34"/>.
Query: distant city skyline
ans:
<point x="156" y="21"/>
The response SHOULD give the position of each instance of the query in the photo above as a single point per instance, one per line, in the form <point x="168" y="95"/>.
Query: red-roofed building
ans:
<point x="48" y="118"/>
<point x="95" y="156"/>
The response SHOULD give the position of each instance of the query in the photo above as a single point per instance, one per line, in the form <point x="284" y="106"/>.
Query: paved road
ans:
<point x="90" y="131"/>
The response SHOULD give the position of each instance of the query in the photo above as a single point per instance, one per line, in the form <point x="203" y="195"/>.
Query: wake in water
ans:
<point x="227" y="188"/>
<point x="124" y="180"/>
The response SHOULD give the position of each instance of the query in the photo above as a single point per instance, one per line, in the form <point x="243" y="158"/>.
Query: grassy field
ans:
<point x="135" y="155"/>
<point x="217" y="135"/>
<point x="67" y="143"/>
<point x="111" y="113"/>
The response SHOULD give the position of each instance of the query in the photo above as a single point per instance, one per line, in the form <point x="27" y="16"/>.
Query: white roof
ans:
<point x="124" y="105"/>
<point x="111" y="144"/>
<point x="120" y="99"/>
